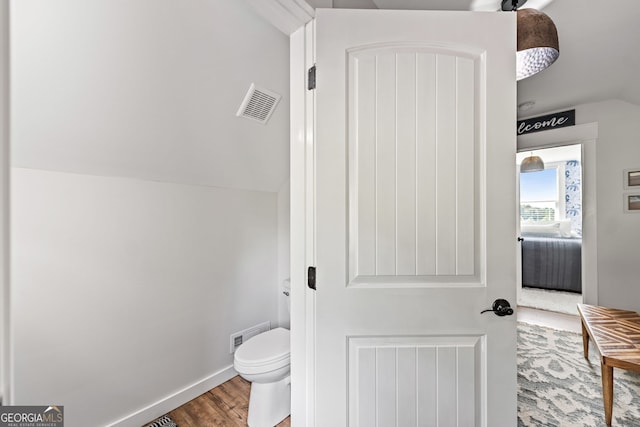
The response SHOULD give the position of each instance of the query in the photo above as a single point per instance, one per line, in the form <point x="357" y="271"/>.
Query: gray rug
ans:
<point x="558" y="387"/>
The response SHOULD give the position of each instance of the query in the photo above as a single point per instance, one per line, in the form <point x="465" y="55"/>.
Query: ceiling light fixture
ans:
<point x="532" y="164"/>
<point x="526" y="106"/>
<point x="537" y="35"/>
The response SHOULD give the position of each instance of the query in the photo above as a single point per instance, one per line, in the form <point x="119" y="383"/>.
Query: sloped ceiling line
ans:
<point x="285" y="15"/>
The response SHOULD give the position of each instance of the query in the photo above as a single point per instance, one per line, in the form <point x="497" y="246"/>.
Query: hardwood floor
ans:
<point x="223" y="406"/>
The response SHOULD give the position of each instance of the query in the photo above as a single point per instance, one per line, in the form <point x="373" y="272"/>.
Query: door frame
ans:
<point x="586" y="135"/>
<point x="302" y="161"/>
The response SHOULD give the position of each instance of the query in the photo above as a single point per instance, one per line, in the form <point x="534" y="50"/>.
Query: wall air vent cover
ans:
<point x="258" y="104"/>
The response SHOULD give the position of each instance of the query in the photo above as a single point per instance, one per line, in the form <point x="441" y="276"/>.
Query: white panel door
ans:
<point x="414" y="146"/>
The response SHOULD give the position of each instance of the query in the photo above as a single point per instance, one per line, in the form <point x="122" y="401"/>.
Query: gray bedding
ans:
<point x="552" y="263"/>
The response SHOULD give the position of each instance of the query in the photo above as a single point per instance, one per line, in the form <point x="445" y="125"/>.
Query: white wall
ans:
<point x="617" y="148"/>
<point x="148" y="89"/>
<point x="126" y="291"/>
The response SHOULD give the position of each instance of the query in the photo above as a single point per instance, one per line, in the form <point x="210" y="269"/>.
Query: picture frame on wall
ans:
<point x="632" y="202"/>
<point x="631" y="178"/>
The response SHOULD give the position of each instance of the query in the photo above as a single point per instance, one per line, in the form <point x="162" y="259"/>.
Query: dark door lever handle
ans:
<point x="501" y="307"/>
<point x="520" y="239"/>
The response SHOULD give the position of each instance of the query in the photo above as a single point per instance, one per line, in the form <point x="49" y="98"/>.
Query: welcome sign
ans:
<point x="550" y="121"/>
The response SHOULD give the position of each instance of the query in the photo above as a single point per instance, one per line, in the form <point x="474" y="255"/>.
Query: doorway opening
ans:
<point x="550" y="208"/>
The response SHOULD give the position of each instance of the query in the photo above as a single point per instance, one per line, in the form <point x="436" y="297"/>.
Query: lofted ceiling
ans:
<point x="149" y="89"/>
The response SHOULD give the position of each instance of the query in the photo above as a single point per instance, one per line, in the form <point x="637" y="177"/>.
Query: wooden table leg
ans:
<point x="585" y="340"/>
<point x="607" y="391"/>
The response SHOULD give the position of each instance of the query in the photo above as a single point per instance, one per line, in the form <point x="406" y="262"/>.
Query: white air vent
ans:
<point x="242" y="336"/>
<point x="258" y="104"/>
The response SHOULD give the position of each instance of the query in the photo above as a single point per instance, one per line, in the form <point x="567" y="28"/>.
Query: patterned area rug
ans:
<point x="164" y="421"/>
<point x="558" y="387"/>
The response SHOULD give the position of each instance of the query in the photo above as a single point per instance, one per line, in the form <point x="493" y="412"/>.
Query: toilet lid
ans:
<point x="265" y="349"/>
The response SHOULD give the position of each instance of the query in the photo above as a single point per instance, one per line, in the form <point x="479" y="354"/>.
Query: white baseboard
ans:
<point x="171" y="402"/>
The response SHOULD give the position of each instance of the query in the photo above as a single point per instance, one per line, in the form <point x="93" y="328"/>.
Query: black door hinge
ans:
<point x="311" y="278"/>
<point x="311" y="78"/>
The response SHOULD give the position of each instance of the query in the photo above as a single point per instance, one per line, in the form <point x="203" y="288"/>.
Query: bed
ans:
<point x="551" y="256"/>
<point x="552" y="263"/>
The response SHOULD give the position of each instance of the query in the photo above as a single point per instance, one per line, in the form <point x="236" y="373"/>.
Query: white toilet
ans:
<point x="264" y="360"/>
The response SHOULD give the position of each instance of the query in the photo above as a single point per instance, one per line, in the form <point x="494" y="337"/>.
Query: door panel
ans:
<point x="414" y="144"/>
<point x="407" y="381"/>
<point x="414" y="164"/>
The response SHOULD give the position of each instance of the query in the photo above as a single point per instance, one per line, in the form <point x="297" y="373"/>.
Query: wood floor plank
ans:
<point x="223" y="411"/>
<point x="285" y="423"/>
<point x="234" y="395"/>
<point x="224" y="406"/>
<point x="181" y="417"/>
<point x="184" y="416"/>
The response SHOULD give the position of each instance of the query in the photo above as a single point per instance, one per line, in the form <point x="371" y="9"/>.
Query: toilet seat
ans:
<point x="265" y="352"/>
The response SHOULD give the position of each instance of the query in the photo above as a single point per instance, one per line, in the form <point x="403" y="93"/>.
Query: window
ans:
<point x="553" y="195"/>
<point x="539" y="195"/>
